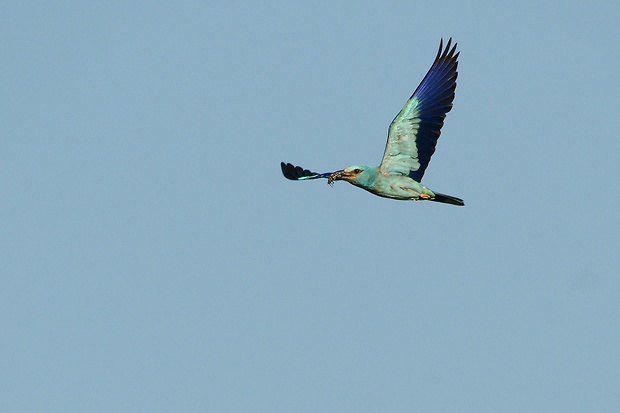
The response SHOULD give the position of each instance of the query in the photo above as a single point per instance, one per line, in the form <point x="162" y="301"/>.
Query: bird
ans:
<point x="412" y="137"/>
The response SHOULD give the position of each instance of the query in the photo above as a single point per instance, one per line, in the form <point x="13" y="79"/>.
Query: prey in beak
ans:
<point x="336" y="176"/>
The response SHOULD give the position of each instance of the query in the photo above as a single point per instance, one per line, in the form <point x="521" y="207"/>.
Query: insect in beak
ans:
<point x="336" y="176"/>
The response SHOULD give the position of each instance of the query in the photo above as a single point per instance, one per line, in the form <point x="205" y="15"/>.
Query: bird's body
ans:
<point x="412" y="138"/>
<point x="385" y="185"/>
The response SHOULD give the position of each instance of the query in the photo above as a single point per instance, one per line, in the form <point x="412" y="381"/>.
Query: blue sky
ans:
<point x="154" y="259"/>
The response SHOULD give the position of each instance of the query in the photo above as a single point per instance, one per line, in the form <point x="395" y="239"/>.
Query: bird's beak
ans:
<point x="336" y="176"/>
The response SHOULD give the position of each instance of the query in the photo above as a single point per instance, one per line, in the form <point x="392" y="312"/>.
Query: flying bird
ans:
<point x="412" y="138"/>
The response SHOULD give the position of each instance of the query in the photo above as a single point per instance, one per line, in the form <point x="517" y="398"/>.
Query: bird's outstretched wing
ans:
<point x="414" y="131"/>
<point x="297" y="173"/>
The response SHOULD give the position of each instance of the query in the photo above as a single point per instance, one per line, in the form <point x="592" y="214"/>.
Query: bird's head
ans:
<point x="356" y="175"/>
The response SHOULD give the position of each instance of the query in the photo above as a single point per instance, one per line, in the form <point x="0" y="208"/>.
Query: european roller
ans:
<point x="411" y="142"/>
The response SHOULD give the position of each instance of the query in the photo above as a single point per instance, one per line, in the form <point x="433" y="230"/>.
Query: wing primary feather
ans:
<point x="297" y="173"/>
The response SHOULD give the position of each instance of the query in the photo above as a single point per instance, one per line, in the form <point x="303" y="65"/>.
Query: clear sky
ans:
<point x="153" y="258"/>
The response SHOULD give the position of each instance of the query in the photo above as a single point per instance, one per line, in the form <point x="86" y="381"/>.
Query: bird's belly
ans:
<point x="403" y="189"/>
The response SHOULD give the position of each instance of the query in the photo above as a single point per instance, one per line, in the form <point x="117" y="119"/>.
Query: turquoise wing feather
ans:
<point x="413" y="133"/>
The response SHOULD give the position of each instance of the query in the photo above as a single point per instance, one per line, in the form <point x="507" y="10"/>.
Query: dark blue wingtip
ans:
<point x="297" y="173"/>
<point x="448" y="52"/>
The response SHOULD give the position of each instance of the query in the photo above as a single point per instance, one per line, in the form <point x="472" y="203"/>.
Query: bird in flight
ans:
<point x="412" y="138"/>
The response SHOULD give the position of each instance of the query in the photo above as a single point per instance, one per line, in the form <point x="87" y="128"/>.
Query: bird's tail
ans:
<point x="447" y="199"/>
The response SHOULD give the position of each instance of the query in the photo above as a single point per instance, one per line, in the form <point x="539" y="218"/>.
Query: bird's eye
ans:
<point x="357" y="171"/>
